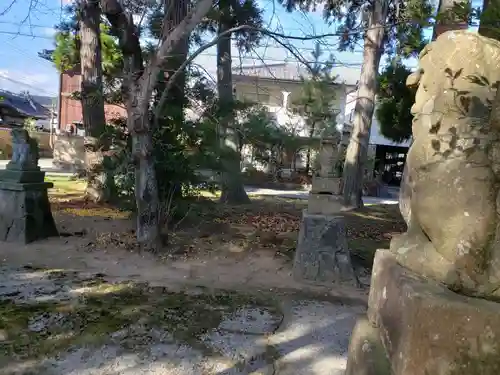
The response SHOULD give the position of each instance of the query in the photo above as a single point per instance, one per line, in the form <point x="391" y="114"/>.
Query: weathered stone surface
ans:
<point x="428" y="329"/>
<point x="322" y="254"/>
<point x="25" y="214"/>
<point x="453" y="167"/>
<point x="366" y="353"/>
<point x="329" y="185"/>
<point x="328" y="155"/>
<point x="324" y="204"/>
<point x="25" y="153"/>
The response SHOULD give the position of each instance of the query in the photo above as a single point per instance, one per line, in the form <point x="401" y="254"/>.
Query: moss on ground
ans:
<point x="106" y="309"/>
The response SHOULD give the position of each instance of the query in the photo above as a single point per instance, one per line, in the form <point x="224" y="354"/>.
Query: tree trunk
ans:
<point x="365" y="104"/>
<point x="146" y="186"/>
<point x="171" y="109"/>
<point x="98" y="186"/>
<point x="138" y="85"/>
<point x="233" y="191"/>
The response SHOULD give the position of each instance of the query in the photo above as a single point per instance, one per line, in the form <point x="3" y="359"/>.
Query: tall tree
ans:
<point x="394" y="102"/>
<point x="382" y="25"/>
<point x="233" y="191"/>
<point x="232" y="13"/>
<point x="357" y="150"/>
<point x="490" y="19"/>
<point x="169" y="100"/>
<point x="92" y="100"/>
<point x="316" y="101"/>
<point x="139" y="83"/>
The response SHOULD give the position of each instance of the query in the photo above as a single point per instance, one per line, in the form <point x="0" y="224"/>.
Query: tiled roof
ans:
<point x="295" y="71"/>
<point x="46" y="101"/>
<point x="24" y="104"/>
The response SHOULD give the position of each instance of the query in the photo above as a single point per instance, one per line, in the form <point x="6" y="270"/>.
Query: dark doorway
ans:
<point x="390" y="161"/>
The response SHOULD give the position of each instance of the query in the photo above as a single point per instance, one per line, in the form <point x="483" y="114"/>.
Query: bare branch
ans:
<point x="213" y="42"/>
<point x="9" y="7"/>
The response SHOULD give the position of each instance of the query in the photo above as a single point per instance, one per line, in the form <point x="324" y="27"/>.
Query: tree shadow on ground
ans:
<point x="82" y="323"/>
<point x="47" y="312"/>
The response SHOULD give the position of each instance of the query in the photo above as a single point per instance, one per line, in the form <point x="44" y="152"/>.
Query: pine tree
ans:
<point x="230" y="14"/>
<point x="139" y="83"/>
<point x="490" y="19"/>
<point x="315" y="103"/>
<point x="394" y="102"/>
<point x="382" y="25"/>
<point x="91" y="94"/>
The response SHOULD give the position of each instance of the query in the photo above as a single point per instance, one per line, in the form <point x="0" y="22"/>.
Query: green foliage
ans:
<point x="406" y="22"/>
<point x="240" y="12"/>
<point x="66" y="54"/>
<point x="316" y="101"/>
<point x="30" y="124"/>
<point x="394" y="102"/>
<point x="490" y="20"/>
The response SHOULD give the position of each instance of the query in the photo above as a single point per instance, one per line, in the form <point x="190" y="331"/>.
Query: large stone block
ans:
<point x="428" y="329"/>
<point x="322" y="254"/>
<point x="366" y="353"/>
<point x="324" y="204"/>
<point x="25" y="214"/>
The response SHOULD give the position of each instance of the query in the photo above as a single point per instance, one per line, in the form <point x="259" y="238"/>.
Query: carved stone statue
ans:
<point x="453" y="185"/>
<point x="25" y="153"/>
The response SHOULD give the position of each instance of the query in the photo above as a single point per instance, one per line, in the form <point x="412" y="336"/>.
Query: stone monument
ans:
<point x="322" y="255"/>
<point x="25" y="214"/>
<point x="324" y="197"/>
<point x="433" y="306"/>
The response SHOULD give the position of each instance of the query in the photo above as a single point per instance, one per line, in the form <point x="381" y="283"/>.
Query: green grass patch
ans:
<point x="66" y="187"/>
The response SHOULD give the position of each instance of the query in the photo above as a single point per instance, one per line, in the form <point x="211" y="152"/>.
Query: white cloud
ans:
<point x="48" y="31"/>
<point x="36" y="83"/>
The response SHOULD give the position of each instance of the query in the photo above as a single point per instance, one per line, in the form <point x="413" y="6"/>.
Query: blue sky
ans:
<point x="24" y="32"/>
<point x="20" y="66"/>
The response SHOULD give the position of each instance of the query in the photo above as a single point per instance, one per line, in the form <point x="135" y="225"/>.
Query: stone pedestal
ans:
<point x="322" y="255"/>
<point x="324" y="204"/>
<point x="25" y="214"/>
<point x="331" y="185"/>
<point x="419" y="327"/>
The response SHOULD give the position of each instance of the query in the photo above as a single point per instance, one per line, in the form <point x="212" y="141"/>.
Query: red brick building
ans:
<point x="70" y="110"/>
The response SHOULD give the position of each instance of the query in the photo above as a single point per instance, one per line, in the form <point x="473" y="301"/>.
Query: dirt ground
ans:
<point x="211" y="245"/>
<point x="94" y="286"/>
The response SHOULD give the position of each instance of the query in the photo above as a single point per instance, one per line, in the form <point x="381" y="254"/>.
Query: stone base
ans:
<point x="322" y="255"/>
<point x="324" y="204"/>
<point x="25" y="214"/>
<point x="427" y="329"/>
<point x="332" y="185"/>
<point x="22" y="176"/>
<point x="366" y="353"/>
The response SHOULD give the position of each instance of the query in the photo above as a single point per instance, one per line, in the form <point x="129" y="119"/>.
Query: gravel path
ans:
<point x="281" y="335"/>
